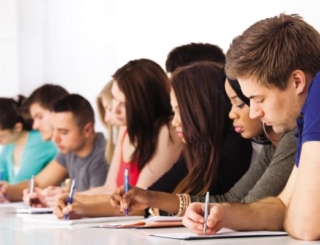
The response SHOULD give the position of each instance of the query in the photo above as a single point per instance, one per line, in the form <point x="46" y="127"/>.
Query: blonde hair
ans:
<point x="106" y="95"/>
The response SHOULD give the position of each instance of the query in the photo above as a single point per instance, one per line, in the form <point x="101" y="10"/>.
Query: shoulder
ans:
<point x="288" y="139"/>
<point x="168" y="133"/>
<point x="35" y="142"/>
<point x="100" y="139"/>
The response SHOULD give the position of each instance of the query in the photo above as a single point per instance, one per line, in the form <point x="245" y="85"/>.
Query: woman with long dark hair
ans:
<point x="147" y="145"/>
<point x="215" y="156"/>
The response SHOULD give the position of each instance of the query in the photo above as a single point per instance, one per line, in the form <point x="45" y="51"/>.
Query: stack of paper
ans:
<point x="28" y="210"/>
<point x="152" y="222"/>
<point x="224" y="233"/>
<point x="51" y="219"/>
<point x="11" y="207"/>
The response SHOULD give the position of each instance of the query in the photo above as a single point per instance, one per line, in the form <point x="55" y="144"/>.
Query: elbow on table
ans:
<point x="306" y="232"/>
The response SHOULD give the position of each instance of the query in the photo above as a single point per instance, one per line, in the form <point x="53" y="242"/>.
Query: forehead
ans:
<point x="62" y="120"/>
<point x="37" y="108"/>
<point x="116" y="92"/>
<point x="106" y="103"/>
<point x="173" y="98"/>
<point x="230" y="92"/>
<point x="251" y="88"/>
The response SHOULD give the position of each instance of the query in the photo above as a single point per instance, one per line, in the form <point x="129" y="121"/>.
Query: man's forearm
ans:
<point x="15" y="192"/>
<point x="265" y="214"/>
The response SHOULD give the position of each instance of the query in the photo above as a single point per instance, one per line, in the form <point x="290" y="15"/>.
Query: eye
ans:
<point x="241" y="105"/>
<point x="259" y="101"/>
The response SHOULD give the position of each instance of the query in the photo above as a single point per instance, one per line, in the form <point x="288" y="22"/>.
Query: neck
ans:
<point x="21" y="137"/>
<point x="87" y="147"/>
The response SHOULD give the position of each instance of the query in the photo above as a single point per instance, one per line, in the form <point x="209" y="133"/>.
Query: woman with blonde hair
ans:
<point x="104" y="104"/>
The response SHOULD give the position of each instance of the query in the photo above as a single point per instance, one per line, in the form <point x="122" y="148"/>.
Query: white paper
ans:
<point x="12" y="204"/>
<point x="142" y="223"/>
<point x="51" y="219"/>
<point x="224" y="233"/>
<point x="28" y="210"/>
<point x="162" y="219"/>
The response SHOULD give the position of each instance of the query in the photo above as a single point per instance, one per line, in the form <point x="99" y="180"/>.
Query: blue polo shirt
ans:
<point x="309" y="122"/>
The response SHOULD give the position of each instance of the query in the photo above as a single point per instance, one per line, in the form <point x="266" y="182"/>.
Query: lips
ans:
<point x="238" y="129"/>
<point x="180" y="134"/>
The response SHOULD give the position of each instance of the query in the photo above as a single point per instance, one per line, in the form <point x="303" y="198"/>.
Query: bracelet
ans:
<point x="184" y="201"/>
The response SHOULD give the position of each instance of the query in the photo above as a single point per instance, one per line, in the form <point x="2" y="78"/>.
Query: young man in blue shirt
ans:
<point x="277" y="63"/>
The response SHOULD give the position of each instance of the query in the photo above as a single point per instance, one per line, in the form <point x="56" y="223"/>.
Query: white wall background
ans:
<point x="80" y="43"/>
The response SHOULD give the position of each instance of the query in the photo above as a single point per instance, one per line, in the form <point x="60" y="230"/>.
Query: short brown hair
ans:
<point x="271" y="49"/>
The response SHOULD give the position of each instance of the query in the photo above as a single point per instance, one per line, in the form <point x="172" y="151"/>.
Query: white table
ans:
<point x="14" y="231"/>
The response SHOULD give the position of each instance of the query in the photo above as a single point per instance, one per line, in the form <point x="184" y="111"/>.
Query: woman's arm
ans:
<point x="166" y="154"/>
<point x="267" y="176"/>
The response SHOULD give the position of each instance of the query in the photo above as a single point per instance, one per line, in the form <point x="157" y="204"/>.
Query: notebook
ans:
<point x="224" y="233"/>
<point x="11" y="207"/>
<point x="51" y="219"/>
<point x="28" y="210"/>
<point x="152" y="222"/>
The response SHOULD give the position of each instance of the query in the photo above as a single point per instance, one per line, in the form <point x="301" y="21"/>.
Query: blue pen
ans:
<point x="70" y="198"/>
<point x="1" y="179"/>
<point x="126" y="185"/>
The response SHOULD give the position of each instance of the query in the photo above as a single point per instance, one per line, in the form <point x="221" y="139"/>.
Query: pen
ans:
<point x="31" y="189"/>
<point x="70" y="198"/>
<point x="206" y="212"/>
<point x="1" y="179"/>
<point x="126" y="185"/>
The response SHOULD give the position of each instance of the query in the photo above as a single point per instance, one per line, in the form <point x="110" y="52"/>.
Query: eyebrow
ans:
<point x="234" y="97"/>
<point x="253" y="96"/>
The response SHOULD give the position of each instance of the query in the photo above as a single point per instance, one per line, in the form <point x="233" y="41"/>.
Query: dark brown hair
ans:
<point x="80" y="108"/>
<point x="12" y="111"/>
<point x="271" y="49"/>
<point x="146" y="89"/>
<point x="194" y="52"/>
<point x="204" y="116"/>
<point x="46" y="95"/>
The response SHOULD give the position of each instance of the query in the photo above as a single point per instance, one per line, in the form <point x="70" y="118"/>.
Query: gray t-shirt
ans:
<point x="90" y="171"/>
<point x="266" y="176"/>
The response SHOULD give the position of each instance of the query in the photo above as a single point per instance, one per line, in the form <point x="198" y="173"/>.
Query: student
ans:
<point x="146" y="144"/>
<point x="104" y="104"/>
<point x="283" y="84"/>
<point x="196" y="52"/>
<point x="193" y="52"/>
<point x="24" y="153"/>
<point x="216" y="156"/>
<point x="40" y="102"/>
<point x="81" y="150"/>
<point x="267" y="175"/>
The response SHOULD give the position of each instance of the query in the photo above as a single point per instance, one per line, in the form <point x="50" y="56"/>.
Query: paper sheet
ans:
<point x="224" y="233"/>
<point x="51" y="219"/>
<point x="28" y="210"/>
<point x="152" y="222"/>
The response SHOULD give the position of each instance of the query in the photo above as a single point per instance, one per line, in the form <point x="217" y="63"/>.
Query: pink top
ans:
<point x="132" y="167"/>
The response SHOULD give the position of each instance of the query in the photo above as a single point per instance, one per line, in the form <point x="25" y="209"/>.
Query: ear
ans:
<point x="88" y="129"/>
<point x="299" y="81"/>
<point x="18" y="127"/>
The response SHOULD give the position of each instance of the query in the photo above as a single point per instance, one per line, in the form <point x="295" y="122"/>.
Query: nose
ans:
<point x="232" y="114"/>
<point x="176" y="122"/>
<point x="255" y="110"/>
<point x="115" y="107"/>
<point x="55" y="136"/>
<point x="35" y="125"/>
